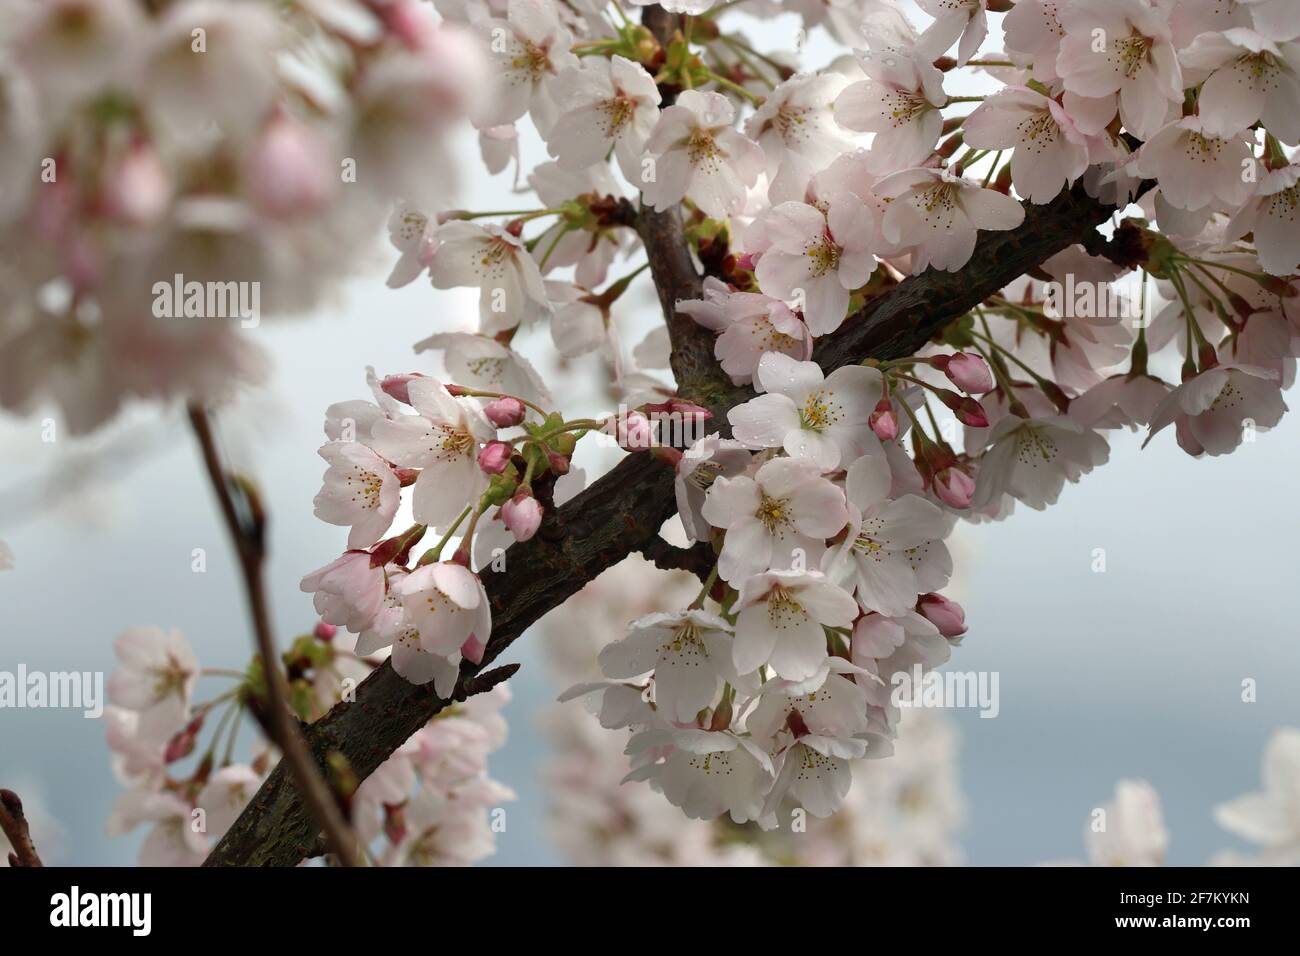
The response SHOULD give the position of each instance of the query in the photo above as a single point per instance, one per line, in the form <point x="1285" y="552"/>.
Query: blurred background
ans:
<point x="1134" y="672"/>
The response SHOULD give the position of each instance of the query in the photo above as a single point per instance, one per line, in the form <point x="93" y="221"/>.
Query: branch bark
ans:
<point x="247" y="529"/>
<point x="14" y="824"/>
<point x="623" y="511"/>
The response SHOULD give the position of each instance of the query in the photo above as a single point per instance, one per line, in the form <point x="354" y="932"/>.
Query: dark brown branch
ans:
<point x="699" y="558"/>
<point x="247" y="529"/>
<point x="14" y="824"/>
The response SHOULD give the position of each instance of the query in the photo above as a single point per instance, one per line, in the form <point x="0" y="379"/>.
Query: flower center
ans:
<point x="824" y="255"/>
<point x="819" y="411"/>
<point x="774" y="513"/>
<point x="783" y="611"/>
<point x="618" y="113"/>
<point x="703" y="150"/>
<point x="1132" y="53"/>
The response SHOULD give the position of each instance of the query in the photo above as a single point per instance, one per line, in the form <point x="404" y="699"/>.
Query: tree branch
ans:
<point x="14" y="824"/>
<point x="247" y="527"/>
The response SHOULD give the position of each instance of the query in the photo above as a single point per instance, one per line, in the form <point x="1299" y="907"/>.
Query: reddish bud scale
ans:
<point x="968" y="410"/>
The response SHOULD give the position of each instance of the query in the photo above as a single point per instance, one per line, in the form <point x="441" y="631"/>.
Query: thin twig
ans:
<point x="248" y="534"/>
<point x="14" y="824"/>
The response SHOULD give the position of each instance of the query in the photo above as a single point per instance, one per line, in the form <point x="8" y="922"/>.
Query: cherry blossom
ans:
<point x="1050" y="152"/>
<point x="1247" y="77"/>
<point x="781" y="515"/>
<point x="416" y="238"/>
<point x="796" y="118"/>
<point x="360" y="491"/>
<point x="1269" y="816"/>
<point x="348" y="591"/>
<point x="1031" y="459"/>
<point x="494" y="261"/>
<point x="700" y="157"/>
<point x="1133" y="833"/>
<point x="937" y="214"/>
<point x="443" y="442"/>
<point x="1196" y="167"/>
<point x="707" y="773"/>
<point x="689" y="653"/>
<point x="1271" y="216"/>
<point x="894" y="548"/>
<point x="1121" y="47"/>
<point x="820" y="419"/>
<point x="781" y="616"/>
<point x="817" y="259"/>
<point x="607" y="104"/>
<point x="1211" y="411"/>
<point x="750" y="324"/>
<point x="701" y="465"/>
<point x="814" y="736"/>
<point x="530" y="47"/>
<point x="899" y="101"/>
<point x="954" y="19"/>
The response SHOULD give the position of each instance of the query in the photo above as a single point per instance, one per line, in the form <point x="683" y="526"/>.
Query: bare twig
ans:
<point x="14" y="824"/>
<point x="247" y="528"/>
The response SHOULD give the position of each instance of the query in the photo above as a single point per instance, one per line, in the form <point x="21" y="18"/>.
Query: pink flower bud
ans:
<point x="522" y="515"/>
<point x="473" y="648"/>
<point x="968" y="410"/>
<point x="289" y="170"/>
<point x="138" y="188"/>
<point x="505" y="412"/>
<point x="970" y="373"/>
<point x="494" y="457"/>
<point x="397" y="386"/>
<point x="883" y="421"/>
<point x="558" y="463"/>
<point x="944" y="614"/>
<point x="954" y="487"/>
<point x="324" y="631"/>
<point x="182" y="745"/>
<point x="634" y="431"/>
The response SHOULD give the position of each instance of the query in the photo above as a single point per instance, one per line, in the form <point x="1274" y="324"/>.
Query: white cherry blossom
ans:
<point x="443" y="442"/>
<point x="360" y="491"/>
<point x="1121" y="50"/>
<point x="495" y="262"/>
<point x="689" y="653"/>
<point x="1031" y="459"/>
<point x="781" y="617"/>
<point x="819" y="418"/>
<point x="605" y="104"/>
<point x="1211" y="411"/>
<point x="781" y="515"/>
<point x="1050" y="151"/>
<point x="816" y="259"/>
<point x="894" y="549"/>
<point x="937" y="215"/>
<point x="697" y="155"/>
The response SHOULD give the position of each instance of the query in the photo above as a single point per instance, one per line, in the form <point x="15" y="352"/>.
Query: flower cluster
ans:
<point x="805" y="195"/>
<point x="161" y="160"/>
<point x="902" y="811"/>
<point x="427" y="805"/>
<point x="171" y="171"/>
